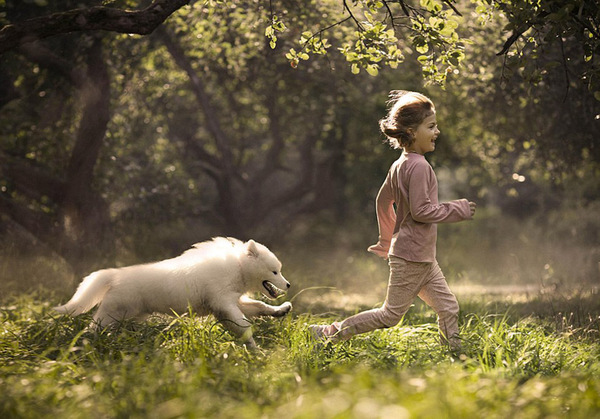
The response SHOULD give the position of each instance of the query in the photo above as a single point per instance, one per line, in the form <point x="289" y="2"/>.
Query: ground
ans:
<point x="528" y="355"/>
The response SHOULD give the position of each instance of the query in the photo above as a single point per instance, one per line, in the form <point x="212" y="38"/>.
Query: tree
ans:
<point x="259" y="135"/>
<point x="522" y="146"/>
<point x="78" y="213"/>
<point x="57" y="204"/>
<point x="537" y="26"/>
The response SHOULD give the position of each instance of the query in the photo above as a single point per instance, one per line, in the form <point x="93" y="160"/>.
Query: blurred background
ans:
<point x="119" y="149"/>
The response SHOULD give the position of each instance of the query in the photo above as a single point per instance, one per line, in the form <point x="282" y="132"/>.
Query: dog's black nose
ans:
<point x="288" y="284"/>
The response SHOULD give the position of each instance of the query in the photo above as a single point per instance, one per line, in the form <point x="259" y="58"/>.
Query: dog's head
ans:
<point x="262" y="270"/>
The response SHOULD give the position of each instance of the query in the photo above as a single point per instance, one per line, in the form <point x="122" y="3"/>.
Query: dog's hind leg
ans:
<point x="253" y="308"/>
<point x="104" y="318"/>
<point x="110" y="312"/>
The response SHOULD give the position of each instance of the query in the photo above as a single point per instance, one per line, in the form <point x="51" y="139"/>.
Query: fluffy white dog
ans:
<point x="211" y="278"/>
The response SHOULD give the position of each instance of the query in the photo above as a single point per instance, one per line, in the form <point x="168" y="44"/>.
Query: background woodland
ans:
<point x="128" y="142"/>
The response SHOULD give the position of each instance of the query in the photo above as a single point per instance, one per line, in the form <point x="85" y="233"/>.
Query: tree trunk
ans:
<point x="84" y="217"/>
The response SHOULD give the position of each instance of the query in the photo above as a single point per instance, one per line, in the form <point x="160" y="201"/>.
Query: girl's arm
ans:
<point x="386" y="219"/>
<point x="423" y="195"/>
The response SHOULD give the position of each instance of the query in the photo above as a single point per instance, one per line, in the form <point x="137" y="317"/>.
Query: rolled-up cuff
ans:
<point x="380" y="250"/>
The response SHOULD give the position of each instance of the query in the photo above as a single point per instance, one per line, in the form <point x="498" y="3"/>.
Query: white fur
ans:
<point x="211" y="278"/>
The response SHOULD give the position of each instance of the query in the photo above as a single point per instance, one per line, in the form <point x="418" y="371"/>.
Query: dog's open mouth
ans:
<point x="272" y="289"/>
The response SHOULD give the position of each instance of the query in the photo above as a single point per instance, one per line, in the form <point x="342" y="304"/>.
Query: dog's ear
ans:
<point x="252" y="248"/>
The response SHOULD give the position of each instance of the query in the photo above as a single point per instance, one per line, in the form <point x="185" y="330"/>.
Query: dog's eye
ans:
<point x="274" y="272"/>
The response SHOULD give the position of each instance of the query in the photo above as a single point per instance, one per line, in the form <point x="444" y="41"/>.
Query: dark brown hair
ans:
<point x="407" y="110"/>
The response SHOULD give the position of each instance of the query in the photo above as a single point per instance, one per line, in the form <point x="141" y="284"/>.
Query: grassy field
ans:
<point x="536" y="357"/>
<point x="530" y="330"/>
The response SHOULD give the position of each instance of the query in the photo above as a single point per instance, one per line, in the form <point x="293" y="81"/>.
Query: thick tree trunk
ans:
<point x="84" y="216"/>
<point x="80" y="229"/>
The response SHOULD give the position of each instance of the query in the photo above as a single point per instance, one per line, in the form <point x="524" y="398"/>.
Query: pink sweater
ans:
<point x="409" y="231"/>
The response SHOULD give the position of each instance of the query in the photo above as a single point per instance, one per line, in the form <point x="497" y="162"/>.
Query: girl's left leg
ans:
<point x="406" y="279"/>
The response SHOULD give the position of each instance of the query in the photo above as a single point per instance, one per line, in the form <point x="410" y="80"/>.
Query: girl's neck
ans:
<point x="407" y="151"/>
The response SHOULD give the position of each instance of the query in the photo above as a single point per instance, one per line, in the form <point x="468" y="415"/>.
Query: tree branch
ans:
<point x="513" y="38"/>
<point x="305" y="180"/>
<point x="213" y="125"/>
<point x="358" y="24"/>
<point x="34" y="222"/>
<point x="36" y="52"/>
<point x="34" y="182"/>
<point x="404" y="8"/>
<point x="141" y="22"/>
<point x="450" y="5"/>
<point x="277" y="144"/>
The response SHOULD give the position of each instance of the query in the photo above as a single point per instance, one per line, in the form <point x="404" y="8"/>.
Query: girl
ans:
<point x="407" y="213"/>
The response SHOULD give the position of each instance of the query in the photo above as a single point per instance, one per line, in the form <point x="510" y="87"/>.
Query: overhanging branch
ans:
<point x="141" y="22"/>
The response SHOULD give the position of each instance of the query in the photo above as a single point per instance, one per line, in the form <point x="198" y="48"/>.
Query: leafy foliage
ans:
<point x="537" y="26"/>
<point x="384" y="33"/>
<point x="433" y="29"/>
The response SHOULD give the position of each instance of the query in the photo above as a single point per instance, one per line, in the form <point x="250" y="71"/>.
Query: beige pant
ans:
<point x="407" y="281"/>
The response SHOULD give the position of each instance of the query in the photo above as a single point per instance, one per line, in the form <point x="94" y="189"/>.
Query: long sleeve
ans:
<point x="386" y="218"/>
<point x="422" y="192"/>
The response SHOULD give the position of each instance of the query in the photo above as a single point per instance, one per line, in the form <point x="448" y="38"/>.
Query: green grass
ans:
<point x="536" y="359"/>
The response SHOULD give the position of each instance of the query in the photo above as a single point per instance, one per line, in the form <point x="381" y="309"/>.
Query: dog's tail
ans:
<point x="89" y="293"/>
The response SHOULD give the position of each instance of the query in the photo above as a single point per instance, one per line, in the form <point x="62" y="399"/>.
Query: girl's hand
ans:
<point x="472" y="206"/>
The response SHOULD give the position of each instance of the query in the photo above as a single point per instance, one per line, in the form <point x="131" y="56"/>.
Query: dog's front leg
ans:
<point x="233" y="319"/>
<point x="254" y="308"/>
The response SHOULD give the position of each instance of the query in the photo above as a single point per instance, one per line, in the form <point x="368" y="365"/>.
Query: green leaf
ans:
<point x="372" y="70"/>
<point x="422" y="49"/>
<point x="481" y="9"/>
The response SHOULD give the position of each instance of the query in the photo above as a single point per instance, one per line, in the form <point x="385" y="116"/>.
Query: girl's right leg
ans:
<point x="438" y="296"/>
<point x="406" y="279"/>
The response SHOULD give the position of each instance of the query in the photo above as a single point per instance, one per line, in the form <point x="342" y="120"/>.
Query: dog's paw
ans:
<point x="283" y="309"/>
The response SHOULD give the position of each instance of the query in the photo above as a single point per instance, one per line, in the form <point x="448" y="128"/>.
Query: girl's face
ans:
<point x="425" y="136"/>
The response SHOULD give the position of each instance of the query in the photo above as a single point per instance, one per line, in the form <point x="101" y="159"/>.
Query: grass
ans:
<point x="535" y="359"/>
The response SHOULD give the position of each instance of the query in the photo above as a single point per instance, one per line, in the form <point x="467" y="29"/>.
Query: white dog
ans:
<point x="211" y="278"/>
